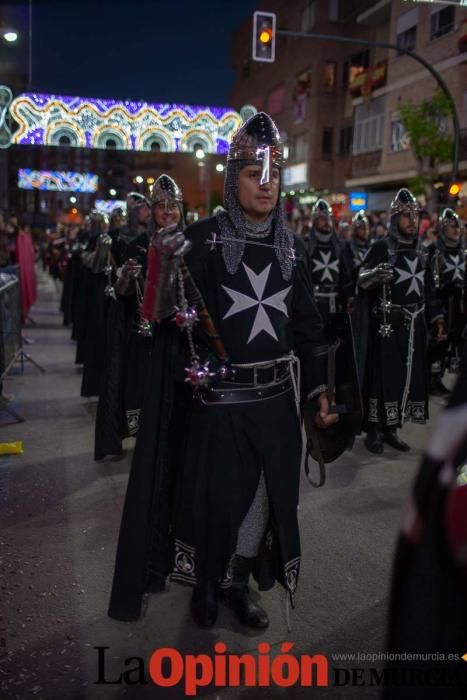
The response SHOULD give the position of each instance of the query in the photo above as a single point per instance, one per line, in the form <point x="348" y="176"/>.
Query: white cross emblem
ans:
<point x="325" y="265"/>
<point x="457" y="266"/>
<point x="416" y="278"/>
<point x="241" y="302"/>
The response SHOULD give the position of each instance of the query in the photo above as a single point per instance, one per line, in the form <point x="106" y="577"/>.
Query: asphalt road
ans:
<point x="59" y="520"/>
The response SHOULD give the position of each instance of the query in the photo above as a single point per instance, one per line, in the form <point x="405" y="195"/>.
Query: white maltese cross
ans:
<point x="241" y="302"/>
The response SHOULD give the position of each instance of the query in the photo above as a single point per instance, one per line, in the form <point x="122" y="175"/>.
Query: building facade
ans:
<point x="336" y="102"/>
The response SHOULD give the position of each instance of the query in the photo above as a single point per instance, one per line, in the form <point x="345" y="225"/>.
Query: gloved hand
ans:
<point x="131" y="269"/>
<point x="368" y="279"/>
<point x="172" y="242"/>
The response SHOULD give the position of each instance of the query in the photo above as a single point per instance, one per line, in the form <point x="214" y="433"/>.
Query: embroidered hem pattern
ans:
<point x="184" y="563"/>
<point x="291" y="570"/>
<point x="132" y="420"/>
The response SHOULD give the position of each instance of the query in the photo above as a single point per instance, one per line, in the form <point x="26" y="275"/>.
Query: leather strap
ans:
<point x="226" y="396"/>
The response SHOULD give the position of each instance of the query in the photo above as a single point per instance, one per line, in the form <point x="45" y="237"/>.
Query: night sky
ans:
<point x="158" y="50"/>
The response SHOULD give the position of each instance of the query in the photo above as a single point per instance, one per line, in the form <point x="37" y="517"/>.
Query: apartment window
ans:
<point x="307" y="17"/>
<point x="355" y="65"/>
<point x="406" y="30"/>
<point x="334" y="7"/>
<point x="300" y="150"/>
<point x="442" y="22"/>
<point x="368" y="126"/>
<point x="330" y="70"/>
<point x="345" y="141"/>
<point x="327" y="142"/>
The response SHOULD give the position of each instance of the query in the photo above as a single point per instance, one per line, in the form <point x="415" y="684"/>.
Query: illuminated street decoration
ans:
<point x="6" y="98"/>
<point x="106" y="206"/>
<point x="52" y="120"/>
<point x="55" y="181"/>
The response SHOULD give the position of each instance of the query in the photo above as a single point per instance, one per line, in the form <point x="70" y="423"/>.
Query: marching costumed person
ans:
<point x="447" y="259"/>
<point x="428" y="602"/>
<point x="129" y="333"/>
<point x="401" y="302"/>
<point x="355" y="249"/>
<point x="213" y="488"/>
<point x="87" y="281"/>
<point x="325" y="253"/>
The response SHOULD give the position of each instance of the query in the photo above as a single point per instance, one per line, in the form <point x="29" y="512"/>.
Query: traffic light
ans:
<point x="264" y="37"/>
<point x="454" y="189"/>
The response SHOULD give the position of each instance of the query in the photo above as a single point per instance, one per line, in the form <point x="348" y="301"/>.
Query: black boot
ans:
<point x="374" y="441"/>
<point x="204" y="606"/>
<point x="248" y="613"/>
<point x="391" y="437"/>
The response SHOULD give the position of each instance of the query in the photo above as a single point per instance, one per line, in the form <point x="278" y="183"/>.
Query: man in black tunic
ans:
<point x="447" y="258"/>
<point x="213" y="489"/>
<point x="128" y="333"/>
<point x="354" y="251"/>
<point x="325" y="252"/>
<point x="402" y="301"/>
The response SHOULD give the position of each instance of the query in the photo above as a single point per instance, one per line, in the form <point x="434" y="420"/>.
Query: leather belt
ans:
<point x="411" y="308"/>
<point x="259" y="376"/>
<point x="227" y="395"/>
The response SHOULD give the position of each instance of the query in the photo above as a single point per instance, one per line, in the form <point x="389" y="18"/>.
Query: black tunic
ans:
<point x="352" y="258"/>
<point x="449" y="271"/>
<point x="325" y="260"/>
<point x="96" y="309"/>
<point x="396" y="378"/>
<point x="127" y="356"/>
<point x="196" y="468"/>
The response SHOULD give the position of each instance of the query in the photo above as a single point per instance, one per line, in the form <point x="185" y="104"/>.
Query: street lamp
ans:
<point x="199" y="153"/>
<point x="139" y="179"/>
<point x="10" y="35"/>
<point x="220" y="168"/>
<point x="73" y="200"/>
<point x="112" y="192"/>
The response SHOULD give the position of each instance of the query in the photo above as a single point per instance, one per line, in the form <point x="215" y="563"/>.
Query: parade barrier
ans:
<point x="10" y="322"/>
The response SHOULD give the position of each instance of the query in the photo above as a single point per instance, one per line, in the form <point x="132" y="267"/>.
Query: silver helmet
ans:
<point x="135" y="199"/>
<point x="134" y="202"/>
<point x="166" y="190"/>
<point x="449" y="216"/>
<point x="321" y="208"/>
<point x="360" y="219"/>
<point x="404" y="203"/>
<point x="258" y="141"/>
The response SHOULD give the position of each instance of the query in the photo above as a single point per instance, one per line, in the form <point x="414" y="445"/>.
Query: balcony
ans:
<point x="365" y="164"/>
<point x="377" y="14"/>
<point x="364" y="81"/>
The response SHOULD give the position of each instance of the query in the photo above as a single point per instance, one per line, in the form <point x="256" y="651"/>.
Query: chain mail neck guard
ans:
<point x="322" y="237"/>
<point x="234" y="227"/>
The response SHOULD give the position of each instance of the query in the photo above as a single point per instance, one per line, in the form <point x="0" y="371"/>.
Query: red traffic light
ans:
<point x="264" y="37"/>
